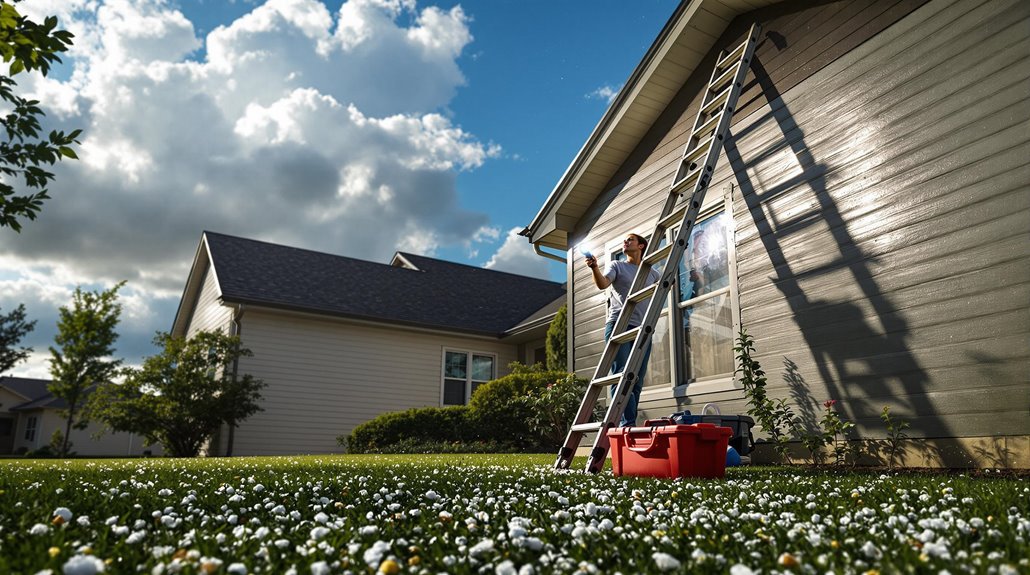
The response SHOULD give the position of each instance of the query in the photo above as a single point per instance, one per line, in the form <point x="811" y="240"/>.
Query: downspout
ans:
<point x="540" y="252"/>
<point x="235" y="329"/>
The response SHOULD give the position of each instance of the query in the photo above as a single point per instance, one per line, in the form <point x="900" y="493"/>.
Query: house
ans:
<point x="30" y="414"/>
<point x="339" y="340"/>
<point x="867" y="221"/>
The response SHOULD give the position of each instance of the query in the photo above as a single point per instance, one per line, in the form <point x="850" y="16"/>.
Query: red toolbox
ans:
<point x="697" y="450"/>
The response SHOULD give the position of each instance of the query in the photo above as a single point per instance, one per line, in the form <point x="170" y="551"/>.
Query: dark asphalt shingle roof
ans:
<point x="36" y="392"/>
<point x="26" y="387"/>
<point x="442" y="295"/>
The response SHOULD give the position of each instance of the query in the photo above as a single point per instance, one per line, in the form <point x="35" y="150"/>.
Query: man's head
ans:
<point x="634" y="242"/>
<point x="636" y="238"/>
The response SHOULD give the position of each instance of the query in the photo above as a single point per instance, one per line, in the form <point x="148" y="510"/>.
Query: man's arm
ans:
<point x="595" y="272"/>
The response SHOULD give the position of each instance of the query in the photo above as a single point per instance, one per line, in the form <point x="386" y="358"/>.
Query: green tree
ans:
<point x="83" y="356"/>
<point x="557" y="341"/>
<point x="13" y="328"/>
<point x="28" y="46"/>
<point x="181" y="396"/>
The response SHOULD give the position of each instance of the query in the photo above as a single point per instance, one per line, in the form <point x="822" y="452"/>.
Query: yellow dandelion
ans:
<point x="54" y="551"/>
<point x="413" y="561"/>
<point x="389" y="567"/>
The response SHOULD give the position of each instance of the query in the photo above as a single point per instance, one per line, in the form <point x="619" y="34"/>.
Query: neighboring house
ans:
<point x="339" y="340"/>
<point x="867" y="222"/>
<point x="30" y="414"/>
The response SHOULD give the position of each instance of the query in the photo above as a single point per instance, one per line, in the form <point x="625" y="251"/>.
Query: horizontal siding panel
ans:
<point x="325" y="377"/>
<point x="881" y="212"/>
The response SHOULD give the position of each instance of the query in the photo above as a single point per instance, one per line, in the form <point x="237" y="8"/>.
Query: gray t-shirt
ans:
<point x="621" y="275"/>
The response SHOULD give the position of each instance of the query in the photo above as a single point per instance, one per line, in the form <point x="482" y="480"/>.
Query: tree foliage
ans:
<point x="13" y="328"/>
<point x="180" y="396"/>
<point x="85" y="338"/>
<point x="28" y="46"/>
<point x="557" y="341"/>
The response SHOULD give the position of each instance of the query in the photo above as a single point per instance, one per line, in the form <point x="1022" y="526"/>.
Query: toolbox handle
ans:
<point x="632" y="436"/>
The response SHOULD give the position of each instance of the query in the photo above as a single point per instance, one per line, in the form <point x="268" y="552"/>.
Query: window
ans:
<point x="463" y="372"/>
<point x="30" y="428"/>
<point x="6" y="426"/>
<point x="704" y="302"/>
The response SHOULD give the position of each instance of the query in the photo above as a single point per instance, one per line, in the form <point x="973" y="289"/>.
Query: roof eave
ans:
<point x="359" y="317"/>
<point x="555" y="222"/>
<point x="191" y="291"/>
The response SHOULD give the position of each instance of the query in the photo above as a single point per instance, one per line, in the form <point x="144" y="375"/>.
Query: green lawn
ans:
<point x="502" y="514"/>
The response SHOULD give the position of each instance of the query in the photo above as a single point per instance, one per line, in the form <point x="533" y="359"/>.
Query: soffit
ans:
<point x="672" y="59"/>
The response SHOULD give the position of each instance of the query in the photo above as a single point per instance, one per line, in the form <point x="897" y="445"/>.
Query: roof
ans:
<point x="683" y="42"/>
<point x="34" y="391"/>
<point x="437" y="294"/>
<point x="26" y="387"/>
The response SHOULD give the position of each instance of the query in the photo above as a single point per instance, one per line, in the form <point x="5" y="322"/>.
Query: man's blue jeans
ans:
<point x="629" y="415"/>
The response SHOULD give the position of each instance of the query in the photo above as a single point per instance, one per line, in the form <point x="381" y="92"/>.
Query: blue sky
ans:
<point x="356" y="128"/>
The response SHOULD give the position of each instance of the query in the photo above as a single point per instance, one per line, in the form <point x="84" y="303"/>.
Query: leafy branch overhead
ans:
<point x="13" y="328"/>
<point x="28" y="46"/>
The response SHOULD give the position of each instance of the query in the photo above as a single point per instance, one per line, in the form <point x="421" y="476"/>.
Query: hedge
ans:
<point x="498" y="418"/>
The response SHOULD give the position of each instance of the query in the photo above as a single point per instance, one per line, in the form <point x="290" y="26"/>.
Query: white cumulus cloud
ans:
<point x="293" y="124"/>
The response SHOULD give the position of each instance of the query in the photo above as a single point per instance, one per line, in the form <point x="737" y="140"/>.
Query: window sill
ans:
<point x="705" y="387"/>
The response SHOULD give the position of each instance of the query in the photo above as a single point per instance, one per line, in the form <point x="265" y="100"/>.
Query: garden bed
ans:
<point x="496" y="514"/>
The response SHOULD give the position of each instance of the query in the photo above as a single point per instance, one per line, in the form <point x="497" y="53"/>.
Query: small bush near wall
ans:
<point x="504" y="415"/>
<point x="432" y="424"/>
<point x="500" y="406"/>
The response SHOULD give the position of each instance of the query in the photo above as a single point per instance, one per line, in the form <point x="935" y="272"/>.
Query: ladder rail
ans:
<point x="674" y="213"/>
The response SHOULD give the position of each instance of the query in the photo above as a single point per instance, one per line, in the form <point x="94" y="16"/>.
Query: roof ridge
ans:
<point x="308" y="250"/>
<point x="406" y="254"/>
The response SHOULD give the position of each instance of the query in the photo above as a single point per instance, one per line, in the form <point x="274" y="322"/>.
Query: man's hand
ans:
<point x="591" y="262"/>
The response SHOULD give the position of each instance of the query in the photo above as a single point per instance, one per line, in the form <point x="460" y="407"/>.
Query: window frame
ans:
<point x="469" y="355"/>
<point x="31" y="427"/>
<point x="682" y="387"/>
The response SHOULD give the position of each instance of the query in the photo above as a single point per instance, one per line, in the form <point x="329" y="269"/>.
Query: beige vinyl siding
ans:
<point x="83" y="443"/>
<point x="326" y="376"/>
<point x="881" y="215"/>
<point x="209" y="314"/>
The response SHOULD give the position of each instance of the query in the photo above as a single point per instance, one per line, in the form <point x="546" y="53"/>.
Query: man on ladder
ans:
<point x="618" y="275"/>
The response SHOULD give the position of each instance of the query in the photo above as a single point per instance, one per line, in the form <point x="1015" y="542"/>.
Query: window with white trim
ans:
<point x="30" y="428"/>
<point x="705" y="292"/>
<point x="463" y="372"/>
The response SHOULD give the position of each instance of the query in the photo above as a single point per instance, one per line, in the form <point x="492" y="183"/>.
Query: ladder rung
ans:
<point x="680" y="186"/>
<point x="594" y="426"/>
<point x="658" y="255"/>
<point x="607" y="380"/>
<point x="734" y="54"/>
<point x="725" y="78"/>
<point x="707" y="130"/>
<point x="698" y="151"/>
<point x="626" y="336"/>
<point x="643" y="294"/>
<point x="717" y="101"/>
<point x="674" y="218"/>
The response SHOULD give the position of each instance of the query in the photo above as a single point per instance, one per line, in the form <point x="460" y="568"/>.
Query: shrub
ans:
<point x="552" y="409"/>
<point x="521" y="411"/>
<point x="556" y="345"/>
<point x="419" y="445"/>
<point x="500" y="409"/>
<point x="433" y="424"/>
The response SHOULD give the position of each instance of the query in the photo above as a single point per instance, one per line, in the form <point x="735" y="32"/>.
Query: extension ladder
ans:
<point x="693" y="175"/>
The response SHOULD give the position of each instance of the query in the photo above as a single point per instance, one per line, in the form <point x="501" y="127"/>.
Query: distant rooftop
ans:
<point x="438" y="294"/>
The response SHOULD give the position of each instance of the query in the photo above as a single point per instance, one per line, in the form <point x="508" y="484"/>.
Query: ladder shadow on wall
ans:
<point x="850" y="366"/>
